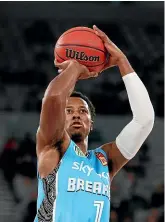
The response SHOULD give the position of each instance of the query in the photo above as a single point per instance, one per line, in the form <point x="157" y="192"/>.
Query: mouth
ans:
<point x="76" y="124"/>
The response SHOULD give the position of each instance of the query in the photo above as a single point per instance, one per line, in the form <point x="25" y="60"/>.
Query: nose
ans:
<point x="76" y="115"/>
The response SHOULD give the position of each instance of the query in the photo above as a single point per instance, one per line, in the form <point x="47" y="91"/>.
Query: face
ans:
<point x="78" y="119"/>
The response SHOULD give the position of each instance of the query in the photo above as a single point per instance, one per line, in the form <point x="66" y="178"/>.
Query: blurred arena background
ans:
<point x="28" y="32"/>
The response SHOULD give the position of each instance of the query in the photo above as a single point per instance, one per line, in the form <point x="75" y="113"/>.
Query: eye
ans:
<point x="69" y="111"/>
<point x="83" y="111"/>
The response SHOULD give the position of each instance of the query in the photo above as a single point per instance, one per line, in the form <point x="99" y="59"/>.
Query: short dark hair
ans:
<point x="90" y="104"/>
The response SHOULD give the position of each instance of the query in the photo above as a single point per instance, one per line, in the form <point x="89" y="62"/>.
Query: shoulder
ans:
<point x="99" y="151"/>
<point x="101" y="155"/>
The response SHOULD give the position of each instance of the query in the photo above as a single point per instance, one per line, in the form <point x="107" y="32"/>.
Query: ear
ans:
<point x="91" y="126"/>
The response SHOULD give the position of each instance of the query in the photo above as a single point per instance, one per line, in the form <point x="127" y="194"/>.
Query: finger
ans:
<point x="100" y="33"/>
<point x="109" y="43"/>
<point x="97" y="29"/>
<point x="60" y="70"/>
<point x="110" y="47"/>
<point x="62" y="65"/>
<point x="56" y="63"/>
<point x="94" y="74"/>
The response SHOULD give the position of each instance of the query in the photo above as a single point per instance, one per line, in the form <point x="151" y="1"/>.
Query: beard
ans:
<point x="76" y="137"/>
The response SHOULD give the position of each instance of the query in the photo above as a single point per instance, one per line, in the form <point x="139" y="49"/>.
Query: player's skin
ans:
<point x="62" y="116"/>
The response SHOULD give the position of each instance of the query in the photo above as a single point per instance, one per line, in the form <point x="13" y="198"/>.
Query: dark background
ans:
<point x="28" y="33"/>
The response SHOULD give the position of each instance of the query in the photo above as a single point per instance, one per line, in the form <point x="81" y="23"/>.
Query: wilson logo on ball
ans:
<point x="81" y="56"/>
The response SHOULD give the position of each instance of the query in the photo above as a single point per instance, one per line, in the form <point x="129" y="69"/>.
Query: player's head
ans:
<point x="80" y="114"/>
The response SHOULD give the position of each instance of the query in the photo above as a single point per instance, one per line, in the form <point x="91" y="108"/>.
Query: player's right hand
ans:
<point x="116" y="55"/>
<point x="83" y="71"/>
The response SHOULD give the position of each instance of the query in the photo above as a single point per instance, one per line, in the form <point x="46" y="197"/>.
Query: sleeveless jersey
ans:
<point x="78" y="190"/>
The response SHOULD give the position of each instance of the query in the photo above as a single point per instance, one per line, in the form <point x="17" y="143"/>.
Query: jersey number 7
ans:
<point x="99" y="210"/>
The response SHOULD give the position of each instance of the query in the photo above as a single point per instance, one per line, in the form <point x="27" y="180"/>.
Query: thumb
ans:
<point x="62" y="65"/>
<point x="56" y="63"/>
<point x="60" y="70"/>
<point x="94" y="74"/>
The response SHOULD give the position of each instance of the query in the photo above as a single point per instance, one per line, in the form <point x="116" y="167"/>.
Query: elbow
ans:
<point x="150" y="118"/>
<point x="146" y="118"/>
<point x="53" y="102"/>
<point x="56" y="97"/>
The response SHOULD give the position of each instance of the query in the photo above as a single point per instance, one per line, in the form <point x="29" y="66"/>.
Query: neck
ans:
<point x="83" y="145"/>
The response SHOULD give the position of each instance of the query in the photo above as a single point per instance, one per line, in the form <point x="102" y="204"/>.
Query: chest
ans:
<point x="78" y="174"/>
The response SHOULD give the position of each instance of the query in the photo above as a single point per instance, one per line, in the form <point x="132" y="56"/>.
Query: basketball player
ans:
<point x="74" y="183"/>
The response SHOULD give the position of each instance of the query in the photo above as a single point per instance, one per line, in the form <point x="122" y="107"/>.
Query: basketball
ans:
<point x="83" y="45"/>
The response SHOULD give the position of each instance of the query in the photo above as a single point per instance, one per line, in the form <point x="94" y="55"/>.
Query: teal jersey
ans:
<point x="78" y="190"/>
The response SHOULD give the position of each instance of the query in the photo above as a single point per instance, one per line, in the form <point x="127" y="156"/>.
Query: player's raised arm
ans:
<point x="131" y="138"/>
<point x="52" y="118"/>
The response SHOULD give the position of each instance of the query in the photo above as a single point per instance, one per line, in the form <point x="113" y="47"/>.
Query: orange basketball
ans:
<point x="83" y="45"/>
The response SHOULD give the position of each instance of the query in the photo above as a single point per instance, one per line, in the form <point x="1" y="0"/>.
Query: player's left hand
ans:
<point x="115" y="54"/>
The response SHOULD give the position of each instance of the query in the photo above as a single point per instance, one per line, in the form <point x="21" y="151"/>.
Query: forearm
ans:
<point x="52" y="118"/>
<point x="139" y="99"/>
<point x="63" y="84"/>
<point x="135" y="133"/>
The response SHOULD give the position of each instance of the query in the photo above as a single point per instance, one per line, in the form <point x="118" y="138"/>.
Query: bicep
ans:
<point x="127" y="143"/>
<point x="115" y="157"/>
<point x="52" y="119"/>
